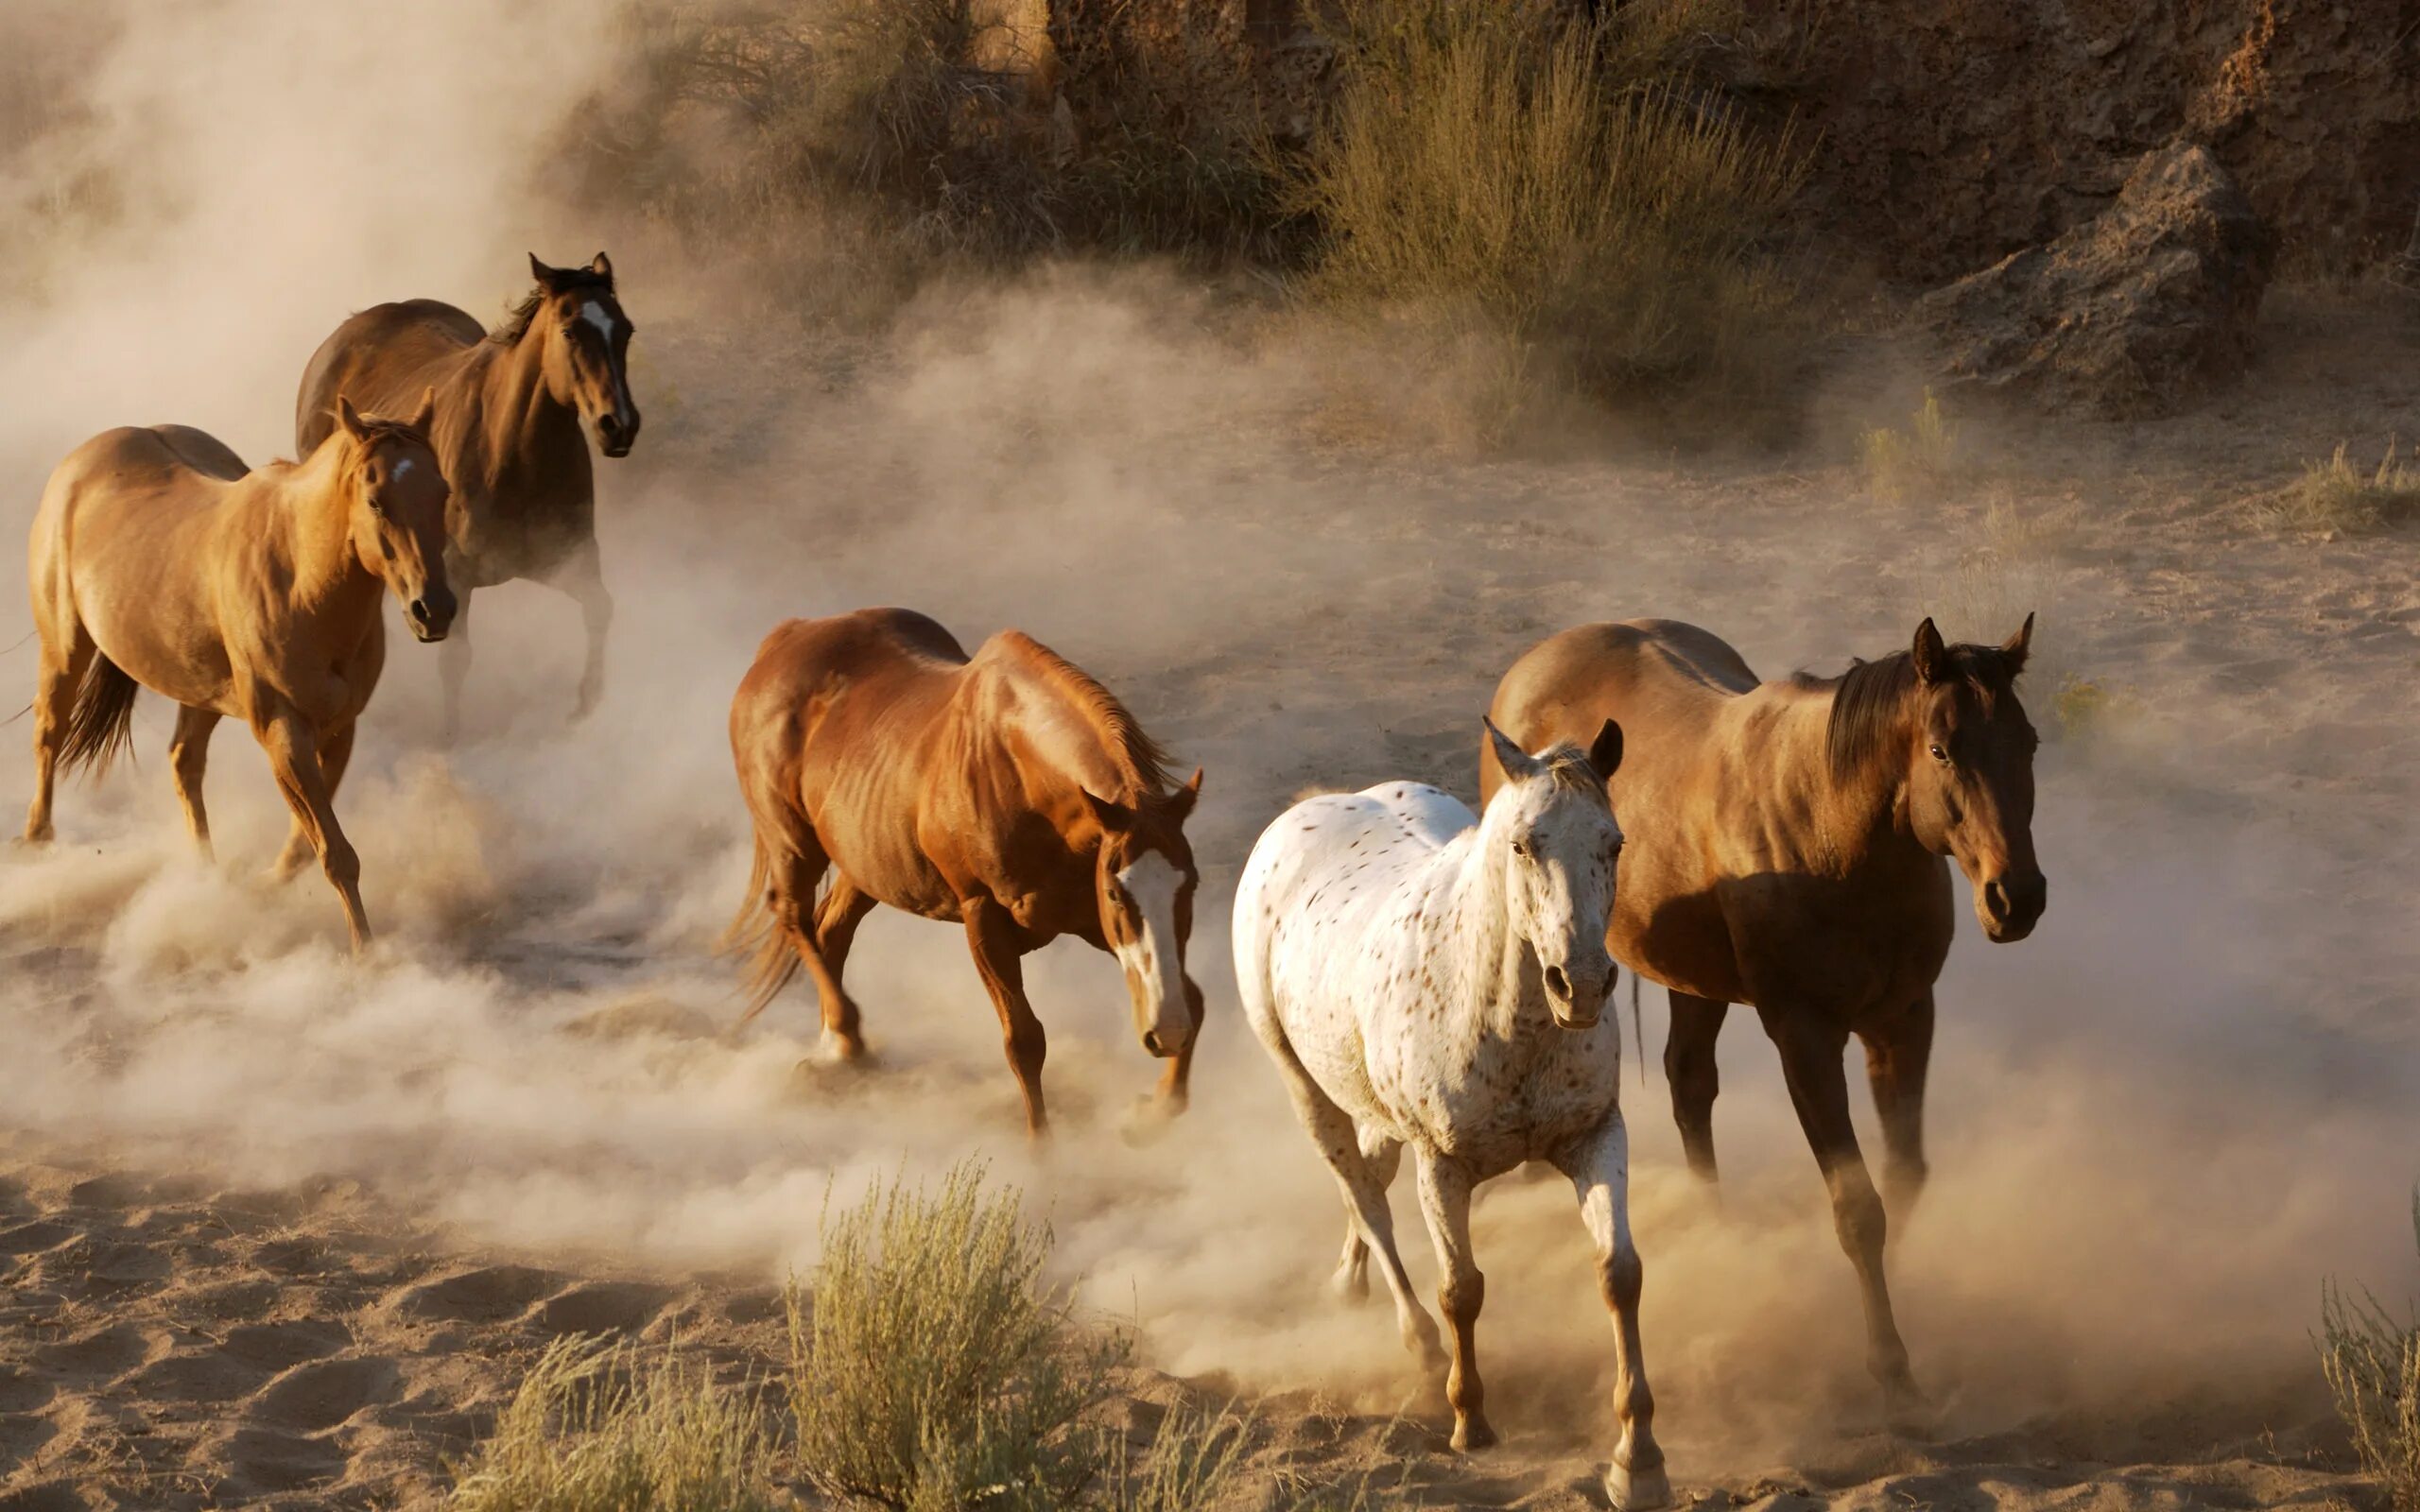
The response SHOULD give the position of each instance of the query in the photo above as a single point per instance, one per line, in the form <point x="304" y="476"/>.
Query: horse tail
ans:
<point x="103" y="723"/>
<point x="756" y="930"/>
<point x="1638" y="1031"/>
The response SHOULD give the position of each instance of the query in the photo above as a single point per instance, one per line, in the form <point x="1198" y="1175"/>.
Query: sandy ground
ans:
<point x="280" y="1231"/>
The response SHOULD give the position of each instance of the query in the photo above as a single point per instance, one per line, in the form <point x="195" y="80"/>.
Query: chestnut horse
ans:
<point x="508" y="413"/>
<point x="1007" y="792"/>
<point x="1786" y="849"/>
<point x="157" y="561"/>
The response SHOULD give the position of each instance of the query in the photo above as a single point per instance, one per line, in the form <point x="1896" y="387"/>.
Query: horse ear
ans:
<point x="602" y="267"/>
<point x="1113" y="818"/>
<point x="1518" y="763"/>
<point x="1605" y="751"/>
<point x="1179" y="803"/>
<point x="427" y="410"/>
<point x="347" y="418"/>
<point x="1932" y="656"/>
<point x="2015" y="649"/>
<point x="545" y="275"/>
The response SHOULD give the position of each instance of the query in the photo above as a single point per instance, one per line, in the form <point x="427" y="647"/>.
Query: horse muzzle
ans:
<point x="431" y="616"/>
<point x="2008" y="905"/>
<point x="616" y="430"/>
<point x="1577" y="1004"/>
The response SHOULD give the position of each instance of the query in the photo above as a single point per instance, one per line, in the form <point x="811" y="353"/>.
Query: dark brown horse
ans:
<point x="1007" y="792"/>
<point x="508" y="432"/>
<point x="1786" y="849"/>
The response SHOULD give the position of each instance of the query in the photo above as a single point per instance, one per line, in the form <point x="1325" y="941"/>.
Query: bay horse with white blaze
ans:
<point x="1006" y="792"/>
<point x="510" y="407"/>
<point x="1423" y="976"/>
<point x="158" y="562"/>
<point x="1790" y="848"/>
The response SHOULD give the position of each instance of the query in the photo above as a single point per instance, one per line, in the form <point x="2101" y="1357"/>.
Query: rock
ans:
<point x="2125" y="316"/>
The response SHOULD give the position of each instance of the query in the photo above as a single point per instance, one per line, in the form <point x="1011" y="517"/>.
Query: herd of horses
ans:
<point x="1422" y="976"/>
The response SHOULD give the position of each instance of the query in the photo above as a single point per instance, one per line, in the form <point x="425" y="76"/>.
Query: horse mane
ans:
<point x="1567" y="766"/>
<point x="1871" y="697"/>
<point x="1146" y="760"/>
<point x="517" y="319"/>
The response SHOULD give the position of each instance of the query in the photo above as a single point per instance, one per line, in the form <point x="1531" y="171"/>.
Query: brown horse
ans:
<point x="157" y="561"/>
<point x="1007" y="792"/>
<point x="1785" y="846"/>
<point x="509" y="412"/>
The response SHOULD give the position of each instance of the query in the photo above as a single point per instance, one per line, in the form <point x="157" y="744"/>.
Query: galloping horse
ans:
<point x="157" y="561"/>
<point x="1421" y="979"/>
<point x="1007" y="792"/>
<point x="509" y="412"/>
<point x="1786" y="851"/>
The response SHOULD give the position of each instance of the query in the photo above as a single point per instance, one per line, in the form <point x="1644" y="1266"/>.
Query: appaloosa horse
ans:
<point x="508" y="432"/>
<point x="1787" y="846"/>
<point x="1007" y="792"/>
<point x="157" y="561"/>
<point x="1424" y="976"/>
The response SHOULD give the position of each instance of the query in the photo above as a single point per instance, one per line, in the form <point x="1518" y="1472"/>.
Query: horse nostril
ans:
<point x="420" y="610"/>
<point x="1557" y="982"/>
<point x="1151" y="1042"/>
<point x="1995" y="898"/>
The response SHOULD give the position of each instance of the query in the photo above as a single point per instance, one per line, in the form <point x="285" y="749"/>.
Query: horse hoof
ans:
<point x="1352" y="1285"/>
<point x="1471" y="1434"/>
<point x="1909" y="1413"/>
<point x="1637" y="1490"/>
<point x="1147" y="1121"/>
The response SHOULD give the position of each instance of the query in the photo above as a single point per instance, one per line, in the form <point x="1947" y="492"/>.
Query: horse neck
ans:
<point x="314" y="520"/>
<point x="1486" y="954"/>
<point x="1862" y="816"/>
<point x="1068" y="743"/>
<point x="520" y="420"/>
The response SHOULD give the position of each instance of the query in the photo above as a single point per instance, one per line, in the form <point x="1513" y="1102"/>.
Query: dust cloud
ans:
<point x="2148" y="1145"/>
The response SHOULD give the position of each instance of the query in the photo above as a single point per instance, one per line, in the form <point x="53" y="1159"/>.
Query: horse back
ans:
<point x="834" y="729"/>
<point x="382" y="359"/>
<point x="1665" y="683"/>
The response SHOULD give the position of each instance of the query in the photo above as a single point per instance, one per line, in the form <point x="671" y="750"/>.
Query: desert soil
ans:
<point x="281" y="1231"/>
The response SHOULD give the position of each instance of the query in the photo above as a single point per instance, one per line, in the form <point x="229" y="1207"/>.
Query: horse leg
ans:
<point x="998" y="946"/>
<point x="62" y="674"/>
<point x="1812" y="1050"/>
<point x="837" y="918"/>
<point x="335" y="754"/>
<point x="1383" y="1156"/>
<point x="1599" y="1173"/>
<point x="293" y="748"/>
<point x="189" y="756"/>
<point x="1688" y="1065"/>
<point x="584" y="578"/>
<point x="1897" y="1055"/>
<point x="1446" y="1202"/>
<point x="454" y="663"/>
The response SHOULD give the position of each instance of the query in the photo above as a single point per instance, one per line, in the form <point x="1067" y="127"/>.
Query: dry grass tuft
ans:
<point x="1901" y="464"/>
<point x="1577" y="189"/>
<point x="2336" y="498"/>
<point x="595" y="1429"/>
<point x="2372" y="1366"/>
<point x="934" y="1370"/>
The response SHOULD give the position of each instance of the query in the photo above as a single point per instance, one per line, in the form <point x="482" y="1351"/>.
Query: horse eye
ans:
<point x="1520" y="848"/>
<point x="1939" y="755"/>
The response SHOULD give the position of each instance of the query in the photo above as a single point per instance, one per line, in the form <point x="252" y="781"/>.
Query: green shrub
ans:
<point x="594" y="1428"/>
<point x="1568" y="183"/>
<point x="934" y="1370"/>
<point x="2372" y="1363"/>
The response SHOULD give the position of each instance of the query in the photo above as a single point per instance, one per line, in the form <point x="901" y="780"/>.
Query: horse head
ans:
<point x="1145" y="876"/>
<point x="1559" y="846"/>
<point x="1970" y="774"/>
<point x="586" y="357"/>
<point x="396" y="514"/>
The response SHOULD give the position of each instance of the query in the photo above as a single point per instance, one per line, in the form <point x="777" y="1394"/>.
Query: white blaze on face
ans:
<point x="595" y="315"/>
<point x="1151" y="958"/>
<point x="403" y="466"/>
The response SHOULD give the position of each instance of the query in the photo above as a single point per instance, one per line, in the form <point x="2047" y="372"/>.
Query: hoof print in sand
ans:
<point x="488" y="1295"/>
